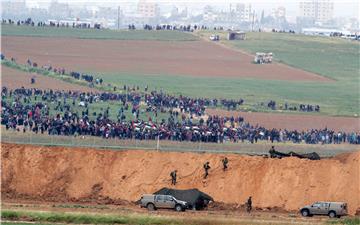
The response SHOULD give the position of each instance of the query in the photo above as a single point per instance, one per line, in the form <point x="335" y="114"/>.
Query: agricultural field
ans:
<point x="9" y="30"/>
<point x="85" y="179"/>
<point x="331" y="83"/>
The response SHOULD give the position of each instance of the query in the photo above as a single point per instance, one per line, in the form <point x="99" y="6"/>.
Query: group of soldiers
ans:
<point x="207" y="167"/>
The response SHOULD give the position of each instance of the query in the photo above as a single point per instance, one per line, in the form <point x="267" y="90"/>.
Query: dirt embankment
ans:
<point x="73" y="174"/>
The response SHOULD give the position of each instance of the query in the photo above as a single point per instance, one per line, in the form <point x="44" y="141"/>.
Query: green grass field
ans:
<point x="13" y="30"/>
<point x="48" y="217"/>
<point x="334" y="58"/>
<point x="335" y="98"/>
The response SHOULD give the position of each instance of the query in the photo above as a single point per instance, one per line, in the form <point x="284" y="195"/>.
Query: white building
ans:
<point x="209" y="15"/>
<point x="279" y="12"/>
<point x="243" y="12"/>
<point x="318" y="10"/>
<point x="148" y="9"/>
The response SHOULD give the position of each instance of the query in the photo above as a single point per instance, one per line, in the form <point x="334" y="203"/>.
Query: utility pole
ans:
<point x="118" y="19"/>
<point x="252" y="24"/>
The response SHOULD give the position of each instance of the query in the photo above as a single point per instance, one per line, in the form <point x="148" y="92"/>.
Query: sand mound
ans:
<point x="73" y="174"/>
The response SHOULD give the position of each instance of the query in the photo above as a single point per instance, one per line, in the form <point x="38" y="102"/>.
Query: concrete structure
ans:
<point x="318" y="10"/>
<point x="236" y="35"/>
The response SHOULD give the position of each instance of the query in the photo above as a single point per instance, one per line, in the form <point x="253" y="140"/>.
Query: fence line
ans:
<point x="165" y="145"/>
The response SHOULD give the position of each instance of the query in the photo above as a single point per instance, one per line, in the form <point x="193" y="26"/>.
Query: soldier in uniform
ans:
<point x="173" y="177"/>
<point x="225" y="161"/>
<point x="249" y="205"/>
<point x="206" y="168"/>
<point x="272" y="152"/>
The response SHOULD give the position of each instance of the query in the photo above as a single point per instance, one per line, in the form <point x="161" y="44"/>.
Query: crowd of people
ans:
<point x="67" y="24"/>
<point x="301" y="107"/>
<point x="188" y="28"/>
<point x="61" y="71"/>
<point x="191" y="105"/>
<point x="29" y="110"/>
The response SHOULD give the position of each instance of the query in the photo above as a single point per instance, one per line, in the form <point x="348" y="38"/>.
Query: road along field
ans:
<point x="191" y="58"/>
<point x="294" y="122"/>
<point x="89" y="175"/>
<point x="12" y="78"/>
<point x="13" y="211"/>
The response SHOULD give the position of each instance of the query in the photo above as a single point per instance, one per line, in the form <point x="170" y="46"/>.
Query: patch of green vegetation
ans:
<point x="82" y="218"/>
<point x="331" y="57"/>
<point x="346" y="221"/>
<point x="19" y="223"/>
<point x="76" y="206"/>
<point x="334" y="98"/>
<point x="63" y="32"/>
<point x="334" y="58"/>
<point x="41" y="71"/>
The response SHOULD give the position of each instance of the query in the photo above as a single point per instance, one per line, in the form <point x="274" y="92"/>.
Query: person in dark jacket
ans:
<point x="225" y="162"/>
<point x="206" y="168"/>
<point x="249" y="205"/>
<point x="173" y="177"/>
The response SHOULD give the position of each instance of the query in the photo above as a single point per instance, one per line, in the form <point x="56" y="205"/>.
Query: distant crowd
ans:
<point x="30" y="22"/>
<point x="85" y="25"/>
<point x="301" y="107"/>
<point x="198" y="107"/>
<point x="26" y="113"/>
<point x="60" y="71"/>
<point x="188" y="28"/>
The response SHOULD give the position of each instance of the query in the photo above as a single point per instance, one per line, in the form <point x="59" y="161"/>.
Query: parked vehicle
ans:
<point x="153" y="202"/>
<point x="332" y="209"/>
<point x="214" y="37"/>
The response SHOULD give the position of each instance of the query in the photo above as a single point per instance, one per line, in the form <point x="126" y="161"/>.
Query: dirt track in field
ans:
<point x="12" y="79"/>
<point x="192" y="58"/>
<point x="294" y="122"/>
<point x="82" y="174"/>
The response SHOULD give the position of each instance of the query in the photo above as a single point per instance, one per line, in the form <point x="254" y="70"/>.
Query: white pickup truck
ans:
<point x="153" y="202"/>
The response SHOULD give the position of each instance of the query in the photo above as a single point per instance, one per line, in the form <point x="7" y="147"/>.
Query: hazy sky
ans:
<point x="342" y="8"/>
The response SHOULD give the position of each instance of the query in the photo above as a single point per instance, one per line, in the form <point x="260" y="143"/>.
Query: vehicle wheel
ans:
<point x="178" y="208"/>
<point x="150" y="207"/>
<point x="332" y="214"/>
<point x="305" y="213"/>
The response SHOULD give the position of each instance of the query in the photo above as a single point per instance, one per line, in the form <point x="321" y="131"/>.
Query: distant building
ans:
<point x="135" y="19"/>
<point x="209" y="15"/>
<point x="148" y="9"/>
<point x="106" y="12"/>
<point x="243" y="12"/>
<point x="317" y="10"/>
<point x="59" y="10"/>
<point x="279" y="12"/>
<point x="13" y="8"/>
